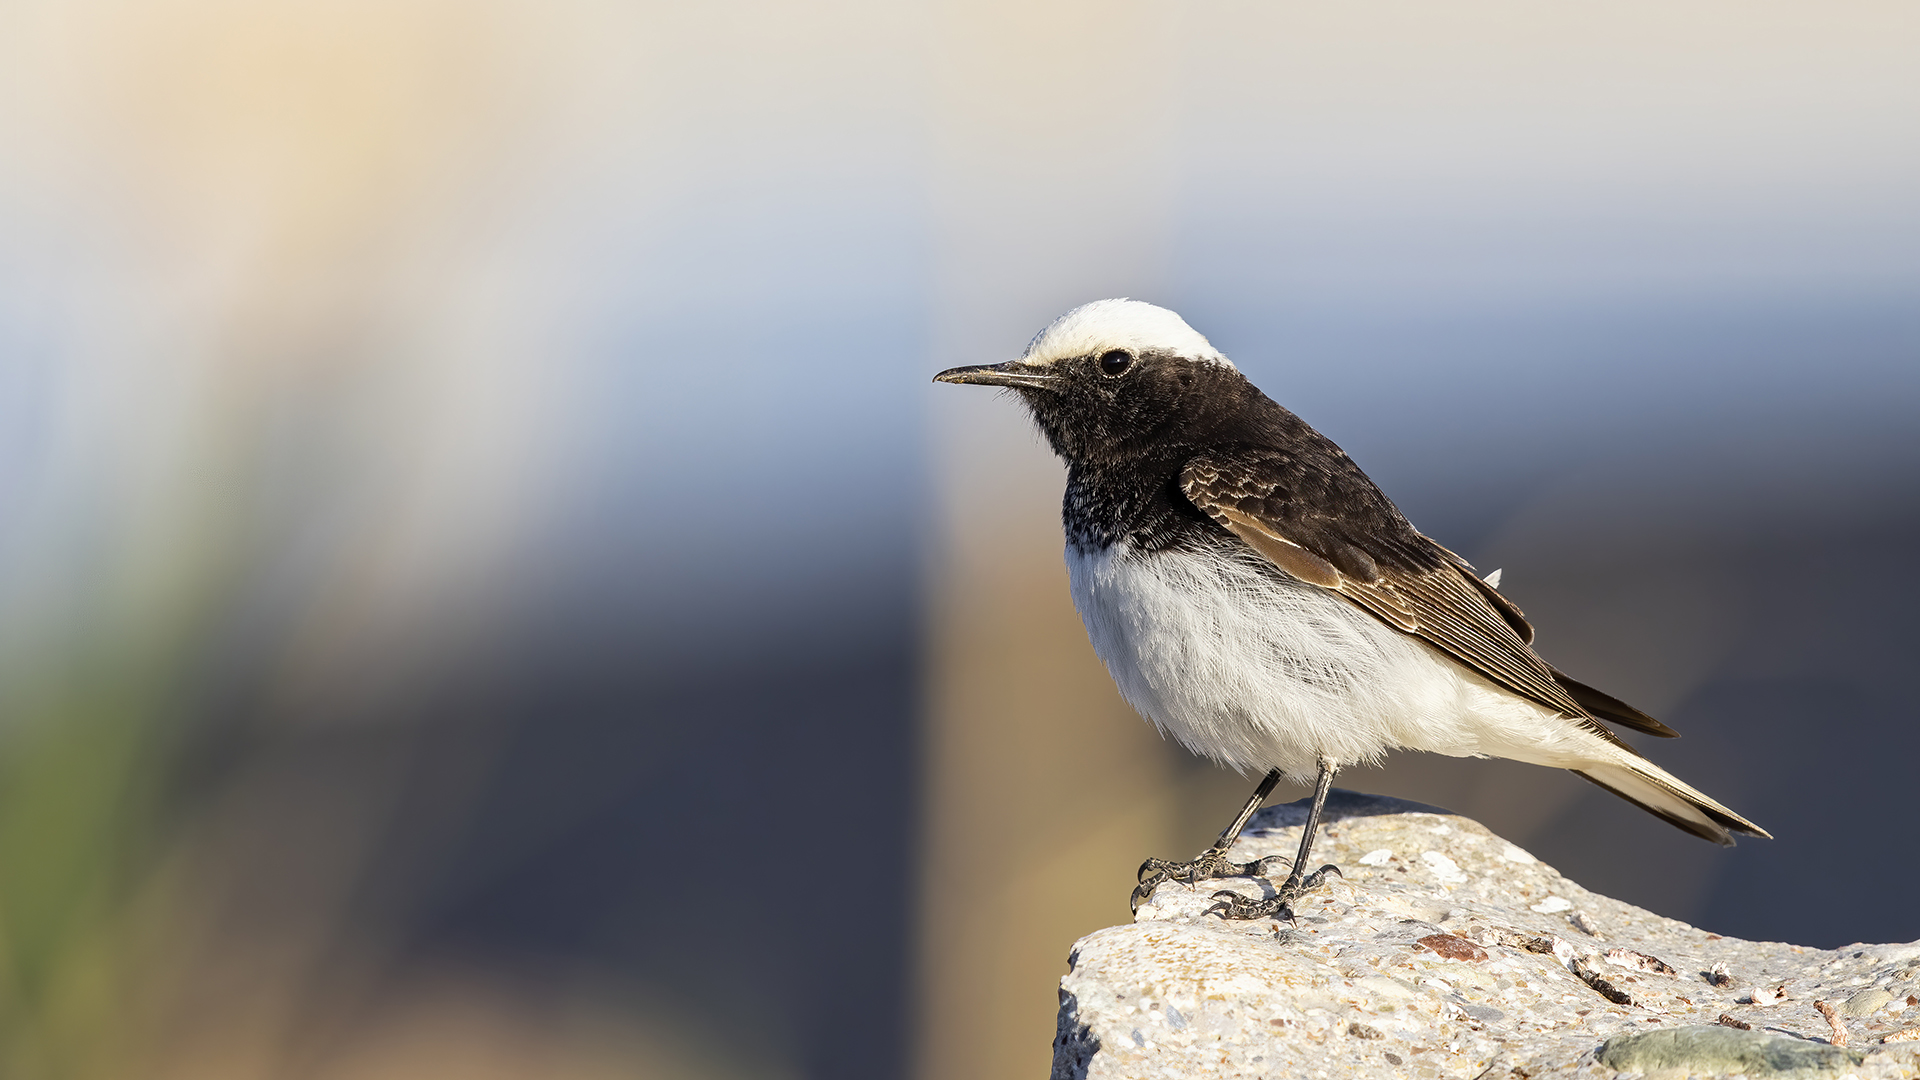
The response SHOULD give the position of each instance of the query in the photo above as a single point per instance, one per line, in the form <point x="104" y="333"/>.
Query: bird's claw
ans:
<point x="1209" y="866"/>
<point x="1232" y="905"/>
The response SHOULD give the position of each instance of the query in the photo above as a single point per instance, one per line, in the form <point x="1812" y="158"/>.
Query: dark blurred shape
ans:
<point x="1839" y="778"/>
<point x="739" y="829"/>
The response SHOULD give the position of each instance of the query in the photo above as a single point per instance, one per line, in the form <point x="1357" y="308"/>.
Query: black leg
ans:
<point x="1234" y="906"/>
<point x="1232" y="832"/>
<point x="1321" y="786"/>
<point x="1211" y="863"/>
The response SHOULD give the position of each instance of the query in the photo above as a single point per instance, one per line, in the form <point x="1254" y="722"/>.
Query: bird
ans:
<point x="1257" y="597"/>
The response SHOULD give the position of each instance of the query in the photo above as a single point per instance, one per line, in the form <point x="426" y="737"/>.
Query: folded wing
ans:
<point x="1331" y="532"/>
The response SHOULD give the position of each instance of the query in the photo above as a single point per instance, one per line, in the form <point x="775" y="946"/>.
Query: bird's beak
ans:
<point x="1012" y="373"/>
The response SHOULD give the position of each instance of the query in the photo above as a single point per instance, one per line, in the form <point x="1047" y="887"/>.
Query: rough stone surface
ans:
<point x="1723" y="1051"/>
<point x="1448" y="952"/>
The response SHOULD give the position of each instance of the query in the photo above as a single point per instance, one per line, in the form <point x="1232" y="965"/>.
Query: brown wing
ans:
<point x="1383" y="565"/>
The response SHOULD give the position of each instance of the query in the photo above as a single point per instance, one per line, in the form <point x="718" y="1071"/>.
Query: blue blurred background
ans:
<point x="486" y="588"/>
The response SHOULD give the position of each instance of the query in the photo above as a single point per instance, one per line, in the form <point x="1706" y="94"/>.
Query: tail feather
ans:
<point x="1659" y="792"/>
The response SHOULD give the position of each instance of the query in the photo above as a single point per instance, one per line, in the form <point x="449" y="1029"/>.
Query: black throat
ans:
<point x="1124" y="460"/>
<point x="1138" y="502"/>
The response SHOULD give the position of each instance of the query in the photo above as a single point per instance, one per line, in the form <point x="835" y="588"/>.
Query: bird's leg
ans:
<point x="1213" y="862"/>
<point x="1234" y="906"/>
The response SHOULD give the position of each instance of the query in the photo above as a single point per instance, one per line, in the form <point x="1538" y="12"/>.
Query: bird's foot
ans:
<point x="1231" y="905"/>
<point x="1210" y="864"/>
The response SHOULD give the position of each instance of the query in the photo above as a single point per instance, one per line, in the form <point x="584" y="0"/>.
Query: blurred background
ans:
<point x="488" y="590"/>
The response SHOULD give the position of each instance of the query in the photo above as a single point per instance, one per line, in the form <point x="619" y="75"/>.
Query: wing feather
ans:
<point x="1415" y="584"/>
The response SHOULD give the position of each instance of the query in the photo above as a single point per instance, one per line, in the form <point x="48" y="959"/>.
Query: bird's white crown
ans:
<point x="1132" y="325"/>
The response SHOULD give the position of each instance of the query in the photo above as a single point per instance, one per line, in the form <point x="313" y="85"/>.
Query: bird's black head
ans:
<point x="1116" y="379"/>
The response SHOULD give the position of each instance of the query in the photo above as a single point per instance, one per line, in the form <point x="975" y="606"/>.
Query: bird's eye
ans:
<point x="1116" y="362"/>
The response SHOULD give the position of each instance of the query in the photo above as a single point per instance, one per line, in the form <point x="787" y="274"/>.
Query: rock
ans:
<point x="1443" y="953"/>
<point x="1866" y="1003"/>
<point x="1704" y="1049"/>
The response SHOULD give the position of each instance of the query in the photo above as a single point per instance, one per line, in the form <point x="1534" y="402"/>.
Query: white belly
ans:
<point x="1258" y="671"/>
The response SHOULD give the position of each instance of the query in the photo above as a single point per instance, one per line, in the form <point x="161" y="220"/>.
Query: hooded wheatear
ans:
<point x="1255" y="595"/>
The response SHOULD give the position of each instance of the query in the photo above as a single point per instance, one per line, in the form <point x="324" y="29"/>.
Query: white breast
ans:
<point x="1259" y="671"/>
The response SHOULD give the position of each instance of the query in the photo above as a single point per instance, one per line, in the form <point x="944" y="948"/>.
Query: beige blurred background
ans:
<point x="486" y="589"/>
